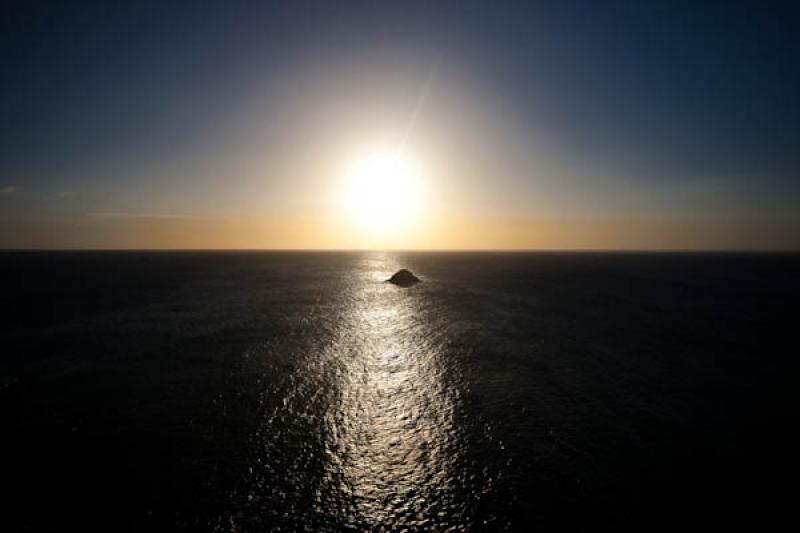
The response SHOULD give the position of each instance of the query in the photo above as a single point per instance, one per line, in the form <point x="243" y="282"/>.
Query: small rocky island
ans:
<point x="403" y="278"/>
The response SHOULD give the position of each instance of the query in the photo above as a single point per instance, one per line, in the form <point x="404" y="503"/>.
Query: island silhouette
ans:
<point x="403" y="278"/>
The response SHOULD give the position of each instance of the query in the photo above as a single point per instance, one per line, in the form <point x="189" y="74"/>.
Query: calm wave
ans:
<point x="297" y="391"/>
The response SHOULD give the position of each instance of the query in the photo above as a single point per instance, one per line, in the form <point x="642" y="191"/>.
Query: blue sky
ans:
<point x="684" y="111"/>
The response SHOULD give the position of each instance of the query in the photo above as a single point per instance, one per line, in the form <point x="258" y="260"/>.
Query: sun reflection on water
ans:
<point x="390" y="428"/>
<point x="363" y="422"/>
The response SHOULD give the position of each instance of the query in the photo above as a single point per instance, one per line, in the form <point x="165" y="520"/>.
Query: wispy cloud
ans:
<point x="145" y="216"/>
<point x="8" y="189"/>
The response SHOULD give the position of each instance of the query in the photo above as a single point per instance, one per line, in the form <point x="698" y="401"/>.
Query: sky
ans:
<point x="527" y="125"/>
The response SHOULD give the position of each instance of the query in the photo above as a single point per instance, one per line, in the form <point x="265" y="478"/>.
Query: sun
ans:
<point x="384" y="191"/>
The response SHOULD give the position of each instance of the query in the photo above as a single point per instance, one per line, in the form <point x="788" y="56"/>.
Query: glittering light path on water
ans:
<point x="366" y="432"/>
<point x="390" y="429"/>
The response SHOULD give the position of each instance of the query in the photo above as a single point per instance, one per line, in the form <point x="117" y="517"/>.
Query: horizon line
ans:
<point x="418" y="250"/>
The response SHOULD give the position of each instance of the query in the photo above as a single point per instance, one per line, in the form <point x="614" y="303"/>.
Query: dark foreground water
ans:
<point x="295" y="391"/>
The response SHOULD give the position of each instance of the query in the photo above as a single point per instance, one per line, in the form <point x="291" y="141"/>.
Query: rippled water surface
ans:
<point x="297" y="391"/>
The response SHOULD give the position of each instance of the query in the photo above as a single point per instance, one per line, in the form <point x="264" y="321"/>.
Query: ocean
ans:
<point x="296" y="391"/>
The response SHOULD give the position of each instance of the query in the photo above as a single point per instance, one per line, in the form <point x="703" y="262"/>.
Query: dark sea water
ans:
<point x="296" y="391"/>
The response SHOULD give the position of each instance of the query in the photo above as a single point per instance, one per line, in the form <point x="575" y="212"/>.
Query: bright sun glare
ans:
<point x="384" y="191"/>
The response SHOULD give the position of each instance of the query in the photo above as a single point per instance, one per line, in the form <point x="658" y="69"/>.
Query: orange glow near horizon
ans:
<point x="469" y="177"/>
